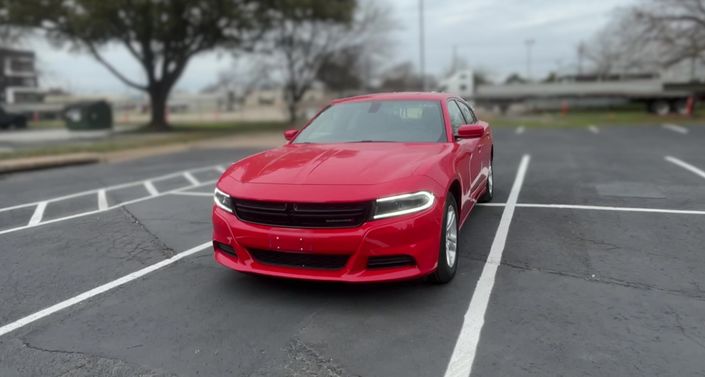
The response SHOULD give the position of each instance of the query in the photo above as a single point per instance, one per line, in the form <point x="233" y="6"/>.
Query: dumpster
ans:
<point x="96" y="115"/>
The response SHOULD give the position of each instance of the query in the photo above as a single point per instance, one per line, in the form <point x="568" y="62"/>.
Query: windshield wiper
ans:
<point x="370" y="141"/>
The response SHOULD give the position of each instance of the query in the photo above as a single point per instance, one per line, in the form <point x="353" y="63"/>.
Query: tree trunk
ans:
<point x="158" y="103"/>
<point x="292" y="107"/>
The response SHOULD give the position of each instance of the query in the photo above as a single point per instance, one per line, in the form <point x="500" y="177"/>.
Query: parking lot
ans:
<point x="589" y="262"/>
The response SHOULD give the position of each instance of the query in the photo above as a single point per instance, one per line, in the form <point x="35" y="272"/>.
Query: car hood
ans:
<point x="336" y="164"/>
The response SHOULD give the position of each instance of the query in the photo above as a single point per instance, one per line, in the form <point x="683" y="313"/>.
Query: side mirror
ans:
<point x="289" y="135"/>
<point x="471" y="131"/>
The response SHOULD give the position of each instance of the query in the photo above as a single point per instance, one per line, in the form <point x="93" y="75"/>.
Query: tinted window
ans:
<point x="377" y="121"/>
<point x="468" y="113"/>
<point x="456" y="116"/>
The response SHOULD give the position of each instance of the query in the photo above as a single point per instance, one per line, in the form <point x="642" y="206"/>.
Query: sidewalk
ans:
<point x="258" y="140"/>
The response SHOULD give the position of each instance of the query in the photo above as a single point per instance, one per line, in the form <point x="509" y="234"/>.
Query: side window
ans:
<point x="468" y="113"/>
<point x="456" y="116"/>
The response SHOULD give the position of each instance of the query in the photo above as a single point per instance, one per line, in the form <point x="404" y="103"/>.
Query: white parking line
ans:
<point x="138" y="200"/>
<point x="149" y="186"/>
<point x="98" y="290"/>
<point x="599" y="208"/>
<point x="189" y="177"/>
<point x="491" y="204"/>
<point x="114" y="187"/>
<point x="593" y="129"/>
<point x="461" y="361"/>
<point x="102" y="200"/>
<point x="685" y="166"/>
<point x="38" y="214"/>
<point x="520" y="130"/>
<point x="676" y="128"/>
<point x="220" y="168"/>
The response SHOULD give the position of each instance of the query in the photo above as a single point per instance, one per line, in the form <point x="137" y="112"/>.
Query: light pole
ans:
<point x="581" y="57"/>
<point x="529" y="46"/>
<point x="422" y="47"/>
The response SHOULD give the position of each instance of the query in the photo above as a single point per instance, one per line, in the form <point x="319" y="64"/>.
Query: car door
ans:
<point x="466" y="163"/>
<point x="484" y="146"/>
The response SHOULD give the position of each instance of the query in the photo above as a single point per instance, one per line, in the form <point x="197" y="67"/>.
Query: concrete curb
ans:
<point x="47" y="162"/>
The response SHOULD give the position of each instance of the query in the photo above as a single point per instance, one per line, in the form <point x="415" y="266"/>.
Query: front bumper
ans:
<point x="416" y="236"/>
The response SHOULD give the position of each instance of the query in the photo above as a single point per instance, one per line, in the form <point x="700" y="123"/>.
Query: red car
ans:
<point x="374" y="188"/>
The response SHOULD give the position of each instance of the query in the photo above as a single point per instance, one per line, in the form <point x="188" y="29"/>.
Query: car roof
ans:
<point x="401" y="96"/>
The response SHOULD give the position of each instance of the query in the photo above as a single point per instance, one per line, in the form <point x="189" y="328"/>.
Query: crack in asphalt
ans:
<point x="41" y="349"/>
<point x="164" y="249"/>
<point x="602" y="280"/>
<point x="679" y="325"/>
<point x="77" y="364"/>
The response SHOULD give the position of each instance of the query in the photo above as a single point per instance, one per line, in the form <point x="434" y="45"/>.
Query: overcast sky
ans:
<point x="490" y="34"/>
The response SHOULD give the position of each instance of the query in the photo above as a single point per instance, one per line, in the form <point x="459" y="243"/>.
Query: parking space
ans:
<point x="540" y="290"/>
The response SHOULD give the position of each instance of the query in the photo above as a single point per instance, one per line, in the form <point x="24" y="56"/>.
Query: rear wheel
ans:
<point x="448" y="255"/>
<point x="681" y="107"/>
<point x="20" y="123"/>
<point x="661" y="107"/>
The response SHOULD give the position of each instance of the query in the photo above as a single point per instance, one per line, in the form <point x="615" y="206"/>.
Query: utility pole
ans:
<point x="529" y="45"/>
<point x="454" y="66"/>
<point x="581" y="57"/>
<point x="422" y="46"/>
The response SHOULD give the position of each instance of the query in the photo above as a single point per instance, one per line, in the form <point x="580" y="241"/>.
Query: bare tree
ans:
<point x="305" y="44"/>
<point x="362" y="55"/>
<point x="303" y="37"/>
<point x="405" y="77"/>
<point x="650" y="36"/>
<point x="247" y="73"/>
<point x="614" y="49"/>
<point x="675" y="29"/>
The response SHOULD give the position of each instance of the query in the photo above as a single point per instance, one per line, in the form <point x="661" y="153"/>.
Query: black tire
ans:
<point x="21" y="122"/>
<point x="661" y="107"/>
<point x="445" y="272"/>
<point x="489" y="186"/>
<point x="680" y="106"/>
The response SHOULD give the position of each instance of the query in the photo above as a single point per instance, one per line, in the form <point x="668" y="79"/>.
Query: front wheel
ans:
<point x="448" y="255"/>
<point x="21" y="123"/>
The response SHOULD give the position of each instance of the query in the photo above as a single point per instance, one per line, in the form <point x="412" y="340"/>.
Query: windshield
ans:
<point x="377" y="121"/>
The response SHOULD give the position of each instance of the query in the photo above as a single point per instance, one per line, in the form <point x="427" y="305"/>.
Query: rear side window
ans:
<point x="467" y="113"/>
<point x="456" y="116"/>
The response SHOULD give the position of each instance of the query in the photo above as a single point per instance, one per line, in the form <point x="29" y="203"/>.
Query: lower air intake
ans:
<point x="390" y="261"/>
<point x="300" y="260"/>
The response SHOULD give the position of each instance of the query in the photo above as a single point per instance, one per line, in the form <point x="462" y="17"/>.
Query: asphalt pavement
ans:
<point x="589" y="262"/>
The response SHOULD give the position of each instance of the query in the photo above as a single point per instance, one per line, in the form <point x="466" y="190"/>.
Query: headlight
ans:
<point x="223" y="200"/>
<point x="402" y="204"/>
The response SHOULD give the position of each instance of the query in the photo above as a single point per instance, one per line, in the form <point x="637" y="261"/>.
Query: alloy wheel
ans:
<point x="451" y="236"/>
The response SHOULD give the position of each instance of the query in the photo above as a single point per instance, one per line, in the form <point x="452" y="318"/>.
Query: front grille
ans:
<point x="303" y="215"/>
<point x="300" y="260"/>
<point x="390" y="261"/>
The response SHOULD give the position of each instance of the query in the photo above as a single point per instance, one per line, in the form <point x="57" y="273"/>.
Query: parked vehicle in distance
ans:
<point x="374" y="188"/>
<point x="11" y="120"/>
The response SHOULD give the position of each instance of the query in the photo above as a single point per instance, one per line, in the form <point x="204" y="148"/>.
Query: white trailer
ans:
<point x="659" y="96"/>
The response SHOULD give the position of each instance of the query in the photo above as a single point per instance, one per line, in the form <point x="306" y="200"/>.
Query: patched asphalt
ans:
<point x="578" y="292"/>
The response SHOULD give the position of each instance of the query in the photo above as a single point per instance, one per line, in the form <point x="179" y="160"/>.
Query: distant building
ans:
<point x="18" y="77"/>
<point x="460" y="83"/>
